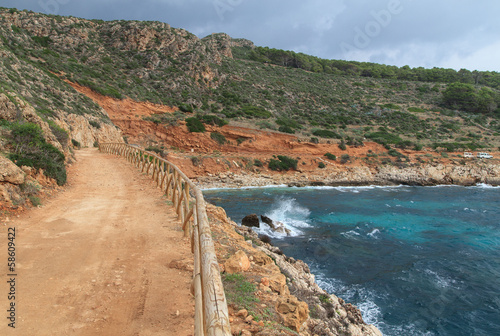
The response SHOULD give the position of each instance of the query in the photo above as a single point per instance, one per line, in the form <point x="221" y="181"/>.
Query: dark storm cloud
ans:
<point x="442" y="33"/>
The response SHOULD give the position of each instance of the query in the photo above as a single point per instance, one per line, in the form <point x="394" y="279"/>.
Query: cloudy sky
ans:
<point x="430" y="33"/>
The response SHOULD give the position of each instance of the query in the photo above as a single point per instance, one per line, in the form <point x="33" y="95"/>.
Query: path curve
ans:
<point x="105" y="257"/>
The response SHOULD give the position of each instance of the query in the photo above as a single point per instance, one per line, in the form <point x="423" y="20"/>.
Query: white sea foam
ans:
<point x="374" y="233"/>
<point x="288" y="211"/>
<point x="486" y="186"/>
<point x="370" y="311"/>
<point x="440" y="281"/>
<point x="350" y="234"/>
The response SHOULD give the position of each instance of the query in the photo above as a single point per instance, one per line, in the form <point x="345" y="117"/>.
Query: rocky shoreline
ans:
<point x="467" y="174"/>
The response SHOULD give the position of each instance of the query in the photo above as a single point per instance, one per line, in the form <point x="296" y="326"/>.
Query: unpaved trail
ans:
<point x="105" y="257"/>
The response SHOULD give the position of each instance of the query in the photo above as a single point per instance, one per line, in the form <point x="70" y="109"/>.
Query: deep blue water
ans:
<point x="415" y="260"/>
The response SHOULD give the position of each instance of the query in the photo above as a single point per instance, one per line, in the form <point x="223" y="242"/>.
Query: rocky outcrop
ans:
<point x="10" y="173"/>
<point x="237" y="263"/>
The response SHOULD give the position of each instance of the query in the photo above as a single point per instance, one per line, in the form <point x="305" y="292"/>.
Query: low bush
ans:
<point x="330" y="156"/>
<point x="286" y="129"/>
<point x="30" y="149"/>
<point x="219" y="138"/>
<point x="250" y="111"/>
<point x="186" y="108"/>
<point x="342" y="145"/>
<point x="283" y="163"/>
<point x="211" y="119"/>
<point x="326" y="134"/>
<point x="345" y="158"/>
<point x="384" y="137"/>
<point x="195" y="125"/>
<point x="154" y="149"/>
<point x="75" y="143"/>
<point x="321" y="165"/>
<point x="94" y="124"/>
<point x="258" y="163"/>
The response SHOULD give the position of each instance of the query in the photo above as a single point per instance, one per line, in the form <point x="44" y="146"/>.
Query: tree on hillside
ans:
<point x="466" y="97"/>
<point x="460" y="96"/>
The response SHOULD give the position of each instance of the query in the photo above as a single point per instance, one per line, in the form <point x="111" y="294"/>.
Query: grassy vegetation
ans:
<point x="239" y="291"/>
<point x="30" y="149"/>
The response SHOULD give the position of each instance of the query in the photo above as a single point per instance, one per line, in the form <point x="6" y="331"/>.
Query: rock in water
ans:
<point x="268" y="221"/>
<point x="250" y="221"/>
<point x="281" y="228"/>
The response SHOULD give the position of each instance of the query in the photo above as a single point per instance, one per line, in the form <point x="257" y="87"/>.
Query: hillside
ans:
<point x="217" y="105"/>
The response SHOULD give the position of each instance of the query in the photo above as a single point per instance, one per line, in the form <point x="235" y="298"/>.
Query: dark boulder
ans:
<point x="250" y="221"/>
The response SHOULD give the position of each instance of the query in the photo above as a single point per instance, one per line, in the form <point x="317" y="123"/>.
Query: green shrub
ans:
<point x="330" y="156"/>
<point x="186" y="108"/>
<point x="44" y="41"/>
<point x="94" y="124"/>
<point x="326" y="134"/>
<point x="76" y="144"/>
<point x="154" y="149"/>
<point x="345" y="158"/>
<point x="211" y="119"/>
<point x="395" y="153"/>
<point x="250" y="111"/>
<point x="286" y="129"/>
<point x="314" y="140"/>
<point x="321" y="165"/>
<point x="195" y="125"/>
<point x="283" y="163"/>
<point x="342" y="145"/>
<point x="392" y="106"/>
<point x="60" y="133"/>
<point x="290" y="123"/>
<point x="258" y="163"/>
<point x="219" y="138"/>
<point x="35" y="200"/>
<point x="384" y="137"/>
<point x="31" y="149"/>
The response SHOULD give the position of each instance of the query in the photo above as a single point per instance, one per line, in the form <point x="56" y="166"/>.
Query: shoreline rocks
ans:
<point x="469" y="174"/>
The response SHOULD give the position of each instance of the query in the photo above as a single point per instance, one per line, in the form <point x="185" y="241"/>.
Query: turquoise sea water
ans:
<point x="415" y="260"/>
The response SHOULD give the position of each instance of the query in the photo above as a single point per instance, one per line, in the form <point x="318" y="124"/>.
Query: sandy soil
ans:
<point x="104" y="257"/>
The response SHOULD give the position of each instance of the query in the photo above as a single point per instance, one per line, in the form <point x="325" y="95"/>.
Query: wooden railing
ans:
<point x="211" y="314"/>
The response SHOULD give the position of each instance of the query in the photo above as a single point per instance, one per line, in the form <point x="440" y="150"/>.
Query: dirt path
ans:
<point x="105" y="257"/>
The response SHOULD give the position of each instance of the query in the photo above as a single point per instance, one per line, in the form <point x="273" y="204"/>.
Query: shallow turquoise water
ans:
<point x="415" y="260"/>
